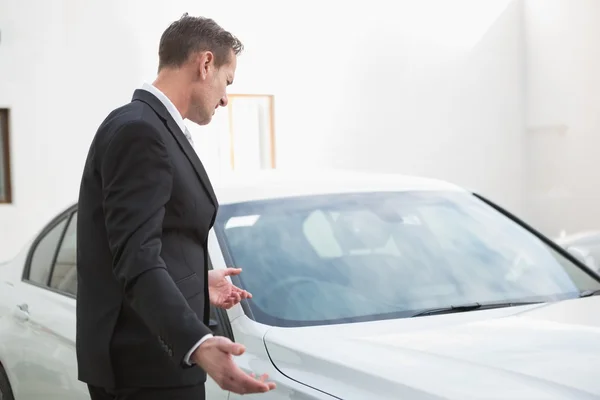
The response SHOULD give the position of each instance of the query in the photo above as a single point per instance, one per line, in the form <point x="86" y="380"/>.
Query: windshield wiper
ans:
<point x="448" y="310"/>
<point x="589" y="293"/>
<point x="471" y="307"/>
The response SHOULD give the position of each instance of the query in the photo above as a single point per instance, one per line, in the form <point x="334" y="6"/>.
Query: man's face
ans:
<point x="210" y="91"/>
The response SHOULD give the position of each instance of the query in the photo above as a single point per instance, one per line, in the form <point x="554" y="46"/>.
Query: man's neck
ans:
<point x="173" y="88"/>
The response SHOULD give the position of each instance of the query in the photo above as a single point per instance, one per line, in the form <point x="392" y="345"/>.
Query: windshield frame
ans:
<point x="274" y="321"/>
<point x="545" y="239"/>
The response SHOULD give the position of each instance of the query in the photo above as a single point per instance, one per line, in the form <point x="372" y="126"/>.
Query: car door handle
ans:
<point x="21" y="312"/>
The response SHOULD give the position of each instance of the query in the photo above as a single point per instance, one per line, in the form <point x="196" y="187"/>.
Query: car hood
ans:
<point x="548" y="351"/>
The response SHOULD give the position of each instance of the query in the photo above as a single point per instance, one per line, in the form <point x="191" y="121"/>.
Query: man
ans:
<point x="146" y="206"/>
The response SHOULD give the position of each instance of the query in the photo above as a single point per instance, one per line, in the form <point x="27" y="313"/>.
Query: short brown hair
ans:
<point x="189" y="35"/>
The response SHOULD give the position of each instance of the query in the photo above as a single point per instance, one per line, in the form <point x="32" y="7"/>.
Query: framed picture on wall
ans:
<point x="5" y="184"/>
<point x="251" y="132"/>
<point x="241" y="136"/>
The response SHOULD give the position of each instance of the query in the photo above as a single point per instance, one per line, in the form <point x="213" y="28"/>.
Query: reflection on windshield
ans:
<point x="356" y="257"/>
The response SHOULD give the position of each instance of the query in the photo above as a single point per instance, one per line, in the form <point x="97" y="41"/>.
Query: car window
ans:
<point x="356" y="257"/>
<point x="64" y="273"/>
<point x="319" y="233"/>
<point x="44" y="253"/>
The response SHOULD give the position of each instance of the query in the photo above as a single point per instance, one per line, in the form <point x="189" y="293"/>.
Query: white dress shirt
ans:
<point x="180" y="122"/>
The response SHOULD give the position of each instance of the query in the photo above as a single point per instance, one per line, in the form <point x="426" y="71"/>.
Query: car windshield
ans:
<point x="342" y="258"/>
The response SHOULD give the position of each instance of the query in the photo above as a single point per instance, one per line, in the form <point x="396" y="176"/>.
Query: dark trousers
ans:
<point x="180" y="393"/>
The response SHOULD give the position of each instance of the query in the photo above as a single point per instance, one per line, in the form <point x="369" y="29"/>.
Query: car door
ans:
<point x="45" y="316"/>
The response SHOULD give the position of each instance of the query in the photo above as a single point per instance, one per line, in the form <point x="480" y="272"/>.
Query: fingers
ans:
<point x="230" y="347"/>
<point x="232" y="271"/>
<point x="238" y="294"/>
<point x="243" y="293"/>
<point x="263" y="378"/>
<point x="233" y="299"/>
<point x="233" y="379"/>
<point x="242" y="383"/>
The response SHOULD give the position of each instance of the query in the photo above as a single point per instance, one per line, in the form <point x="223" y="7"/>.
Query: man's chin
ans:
<point x="204" y="121"/>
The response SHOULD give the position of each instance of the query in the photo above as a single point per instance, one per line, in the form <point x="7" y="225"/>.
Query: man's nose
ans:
<point x="224" y="101"/>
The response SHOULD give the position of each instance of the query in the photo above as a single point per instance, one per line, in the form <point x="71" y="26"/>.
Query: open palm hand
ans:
<point x="222" y="292"/>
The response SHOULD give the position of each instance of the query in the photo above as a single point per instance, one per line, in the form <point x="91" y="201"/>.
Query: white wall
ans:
<point x="421" y="87"/>
<point x="563" y="92"/>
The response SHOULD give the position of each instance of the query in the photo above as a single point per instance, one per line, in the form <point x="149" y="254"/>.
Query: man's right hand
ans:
<point x="215" y="357"/>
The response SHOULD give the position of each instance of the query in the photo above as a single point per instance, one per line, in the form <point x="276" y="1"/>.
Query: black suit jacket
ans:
<point x="146" y="206"/>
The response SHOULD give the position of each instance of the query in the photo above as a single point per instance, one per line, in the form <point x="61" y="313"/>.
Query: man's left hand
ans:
<point x="222" y="292"/>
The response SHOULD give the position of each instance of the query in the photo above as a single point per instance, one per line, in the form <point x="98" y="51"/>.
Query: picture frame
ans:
<point x="251" y="123"/>
<point x="240" y="137"/>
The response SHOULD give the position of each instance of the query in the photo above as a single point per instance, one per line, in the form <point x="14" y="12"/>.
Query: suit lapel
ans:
<point x="191" y="154"/>
<point x="179" y="136"/>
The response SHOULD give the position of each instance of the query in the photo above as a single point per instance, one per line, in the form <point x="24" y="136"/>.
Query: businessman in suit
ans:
<point x="146" y="206"/>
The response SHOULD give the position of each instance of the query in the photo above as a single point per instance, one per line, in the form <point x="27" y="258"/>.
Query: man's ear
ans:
<point x="206" y="62"/>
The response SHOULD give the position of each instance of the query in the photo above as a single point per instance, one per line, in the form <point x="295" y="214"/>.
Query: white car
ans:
<point x="365" y="287"/>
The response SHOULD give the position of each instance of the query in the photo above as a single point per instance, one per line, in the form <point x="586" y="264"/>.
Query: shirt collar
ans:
<point x="168" y="105"/>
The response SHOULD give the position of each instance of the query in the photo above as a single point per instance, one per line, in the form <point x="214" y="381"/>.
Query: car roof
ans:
<point x="270" y="184"/>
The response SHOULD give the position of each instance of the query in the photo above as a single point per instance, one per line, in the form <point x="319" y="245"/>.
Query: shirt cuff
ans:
<point x="186" y="359"/>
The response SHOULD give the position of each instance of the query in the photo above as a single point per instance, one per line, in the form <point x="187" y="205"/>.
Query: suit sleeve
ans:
<point x="137" y="179"/>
